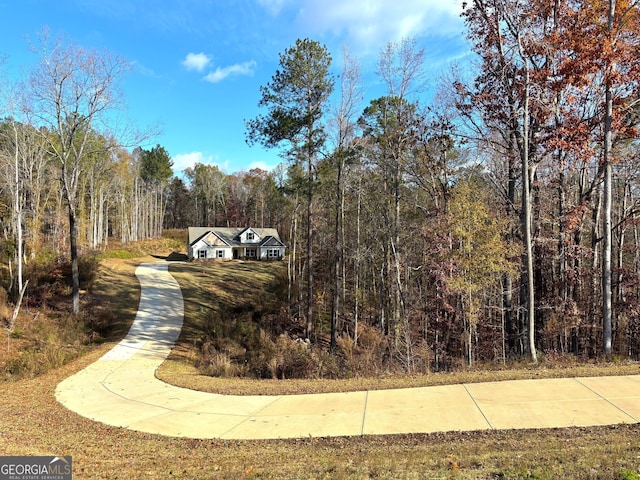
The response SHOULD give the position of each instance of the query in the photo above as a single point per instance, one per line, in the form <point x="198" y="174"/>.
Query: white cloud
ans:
<point x="262" y="166"/>
<point x="368" y="26"/>
<point x="144" y="70"/>
<point x="196" y="61"/>
<point x="183" y="161"/>
<point x="246" y="68"/>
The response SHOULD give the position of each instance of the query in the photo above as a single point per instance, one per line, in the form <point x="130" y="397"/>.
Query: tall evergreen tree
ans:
<point x="296" y="100"/>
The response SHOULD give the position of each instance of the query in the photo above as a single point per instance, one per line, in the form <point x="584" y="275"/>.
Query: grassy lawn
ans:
<point x="225" y="287"/>
<point x="33" y="423"/>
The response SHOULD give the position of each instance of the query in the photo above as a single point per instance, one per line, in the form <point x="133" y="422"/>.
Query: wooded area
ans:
<point x="499" y="220"/>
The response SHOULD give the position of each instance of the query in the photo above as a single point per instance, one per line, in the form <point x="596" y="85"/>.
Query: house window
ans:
<point x="273" y="253"/>
<point x="202" y="254"/>
<point x="249" y="236"/>
<point x="220" y="253"/>
<point x="250" y="253"/>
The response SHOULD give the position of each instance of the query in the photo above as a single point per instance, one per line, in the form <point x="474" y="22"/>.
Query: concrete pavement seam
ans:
<point x="140" y="402"/>
<point x="364" y="413"/>
<point x="152" y="352"/>
<point x="478" y="407"/>
<point x="608" y="401"/>
<point x="249" y="417"/>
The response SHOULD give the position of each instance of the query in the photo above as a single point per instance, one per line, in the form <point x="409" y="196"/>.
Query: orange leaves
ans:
<point x="453" y="462"/>
<point x="574" y="218"/>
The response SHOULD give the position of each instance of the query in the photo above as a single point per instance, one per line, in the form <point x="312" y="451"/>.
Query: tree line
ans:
<point x="68" y="180"/>
<point x="497" y="221"/>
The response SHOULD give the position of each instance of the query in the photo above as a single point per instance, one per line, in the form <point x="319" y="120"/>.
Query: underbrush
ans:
<point x="249" y="344"/>
<point x="241" y="346"/>
<point x="47" y="343"/>
<point x="237" y="326"/>
<point x="46" y="334"/>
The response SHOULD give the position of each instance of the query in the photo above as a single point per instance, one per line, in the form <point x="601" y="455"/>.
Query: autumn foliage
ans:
<point x="499" y="221"/>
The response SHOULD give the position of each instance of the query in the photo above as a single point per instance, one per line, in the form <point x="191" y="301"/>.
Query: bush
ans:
<point x="260" y="359"/>
<point x="292" y="359"/>
<point x="366" y="357"/>
<point x="326" y="365"/>
<point x="87" y="268"/>
<point x="216" y="364"/>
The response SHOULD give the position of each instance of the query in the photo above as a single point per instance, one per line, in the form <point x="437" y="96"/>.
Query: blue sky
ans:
<point x="198" y="64"/>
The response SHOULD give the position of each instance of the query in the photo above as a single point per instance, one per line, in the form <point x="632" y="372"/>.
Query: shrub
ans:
<point x="366" y="357"/>
<point x="293" y="358"/>
<point x="47" y="344"/>
<point x="217" y="364"/>
<point x="87" y="268"/>
<point x="261" y="358"/>
<point x="102" y="323"/>
<point x="326" y="364"/>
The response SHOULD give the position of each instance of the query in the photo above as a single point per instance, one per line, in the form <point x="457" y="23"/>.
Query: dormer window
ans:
<point x="249" y="236"/>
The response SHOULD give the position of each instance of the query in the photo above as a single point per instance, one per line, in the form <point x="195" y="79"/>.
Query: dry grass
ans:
<point x="116" y="293"/>
<point x="208" y="286"/>
<point x="33" y="423"/>
<point x="47" y="335"/>
<point x="177" y="371"/>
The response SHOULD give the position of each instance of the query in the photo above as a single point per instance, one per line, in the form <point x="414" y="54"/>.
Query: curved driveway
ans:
<point x="121" y="389"/>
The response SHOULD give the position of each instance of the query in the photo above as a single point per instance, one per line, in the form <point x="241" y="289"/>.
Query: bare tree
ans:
<point x="401" y="68"/>
<point x="72" y="90"/>
<point x="10" y="133"/>
<point x="344" y="124"/>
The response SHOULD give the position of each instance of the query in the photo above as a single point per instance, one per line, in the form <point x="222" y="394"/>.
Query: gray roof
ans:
<point x="231" y="236"/>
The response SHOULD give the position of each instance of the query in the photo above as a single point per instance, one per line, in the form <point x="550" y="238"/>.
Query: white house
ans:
<point x="229" y="243"/>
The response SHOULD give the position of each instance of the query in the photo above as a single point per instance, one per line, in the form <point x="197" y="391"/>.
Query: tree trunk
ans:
<point x="510" y="320"/>
<point x="18" y="213"/>
<point x="309" y="328"/>
<point x="356" y="273"/>
<point x="337" y="258"/>
<point x="606" y="214"/>
<point x="597" y="223"/>
<point x="75" y="274"/>
<point x="527" y="176"/>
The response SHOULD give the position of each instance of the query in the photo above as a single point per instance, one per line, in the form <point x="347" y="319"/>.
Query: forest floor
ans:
<point x="33" y="423"/>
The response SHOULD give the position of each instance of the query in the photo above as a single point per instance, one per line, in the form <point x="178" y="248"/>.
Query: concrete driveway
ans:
<point x="121" y="389"/>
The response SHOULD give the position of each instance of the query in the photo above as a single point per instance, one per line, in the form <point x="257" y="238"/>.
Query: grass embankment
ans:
<point x="47" y="335"/>
<point x="221" y="293"/>
<point x="33" y="423"/>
